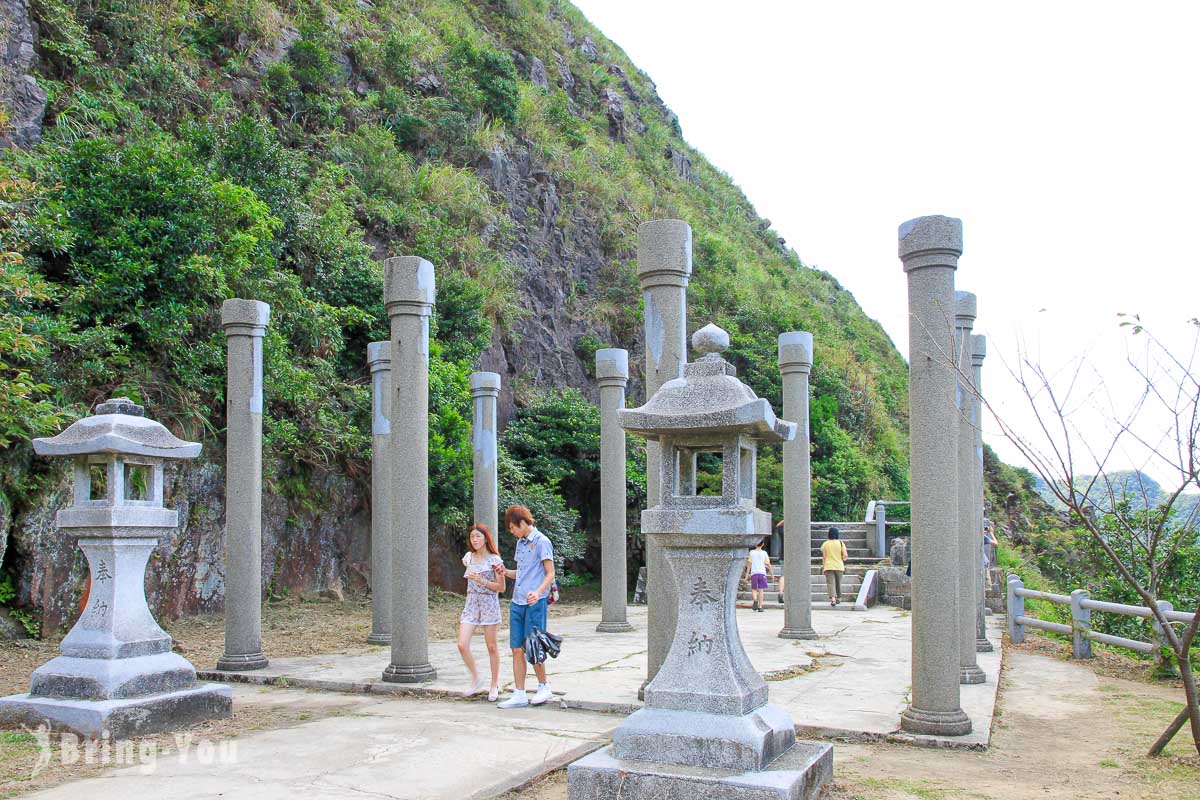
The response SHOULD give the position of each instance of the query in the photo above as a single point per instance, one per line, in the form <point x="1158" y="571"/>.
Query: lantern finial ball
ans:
<point x="710" y="339"/>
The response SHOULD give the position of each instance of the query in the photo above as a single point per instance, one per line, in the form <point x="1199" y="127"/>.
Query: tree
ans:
<point x="1142" y="537"/>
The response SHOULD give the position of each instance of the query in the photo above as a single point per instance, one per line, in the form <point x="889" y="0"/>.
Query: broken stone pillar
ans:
<point x="245" y="323"/>
<point x="485" y="389"/>
<point x="978" y="353"/>
<point x="612" y="373"/>
<point x="795" y="362"/>
<point x="970" y="530"/>
<point x="664" y="268"/>
<point x="708" y="728"/>
<point x="379" y="360"/>
<point x="117" y="675"/>
<point x="409" y="293"/>
<point x="929" y="249"/>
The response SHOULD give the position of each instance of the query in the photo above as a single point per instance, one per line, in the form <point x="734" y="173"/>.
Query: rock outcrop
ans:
<point x="22" y="99"/>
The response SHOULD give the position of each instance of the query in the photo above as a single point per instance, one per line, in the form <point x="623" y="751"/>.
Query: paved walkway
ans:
<point x="852" y="682"/>
<point x="380" y="747"/>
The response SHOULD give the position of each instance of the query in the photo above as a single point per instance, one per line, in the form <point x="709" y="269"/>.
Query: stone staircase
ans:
<point x="854" y="535"/>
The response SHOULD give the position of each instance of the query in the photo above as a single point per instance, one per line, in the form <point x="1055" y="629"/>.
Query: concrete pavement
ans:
<point x="852" y="682"/>
<point x="403" y="741"/>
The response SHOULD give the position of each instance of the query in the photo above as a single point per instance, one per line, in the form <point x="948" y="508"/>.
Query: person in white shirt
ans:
<point x="758" y="566"/>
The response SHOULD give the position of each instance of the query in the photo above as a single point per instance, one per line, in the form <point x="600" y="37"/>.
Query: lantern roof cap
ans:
<point x="708" y="399"/>
<point x="117" y="426"/>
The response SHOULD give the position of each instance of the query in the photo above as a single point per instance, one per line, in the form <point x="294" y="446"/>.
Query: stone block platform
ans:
<point x="851" y="683"/>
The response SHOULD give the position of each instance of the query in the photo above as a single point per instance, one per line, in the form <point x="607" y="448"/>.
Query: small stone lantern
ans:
<point x="707" y="729"/>
<point x="117" y="672"/>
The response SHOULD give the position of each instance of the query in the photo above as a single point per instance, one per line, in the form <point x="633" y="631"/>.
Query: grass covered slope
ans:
<point x="194" y="151"/>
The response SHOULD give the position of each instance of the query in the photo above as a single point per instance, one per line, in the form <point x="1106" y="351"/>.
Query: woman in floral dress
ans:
<point x="485" y="583"/>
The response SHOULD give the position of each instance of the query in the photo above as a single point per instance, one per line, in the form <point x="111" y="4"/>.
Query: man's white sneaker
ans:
<point x="543" y="694"/>
<point x="518" y="700"/>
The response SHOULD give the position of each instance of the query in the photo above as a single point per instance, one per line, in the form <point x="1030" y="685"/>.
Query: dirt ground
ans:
<point x="1063" y="731"/>
<point x="296" y="626"/>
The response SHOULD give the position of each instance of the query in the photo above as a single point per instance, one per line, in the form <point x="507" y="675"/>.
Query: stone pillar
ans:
<point x="612" y="372"/>
<point x="795" y="362"/>
<point x="408" y="289"/>
<point x="664" y="267"/>
<point x="379" y="360"/>
<point x="485" y="388"/>
<point x="978" y="353"/>
<point x="245" y="323"/>
<point x="970" y="528"/>
<point x="929" y="249"/>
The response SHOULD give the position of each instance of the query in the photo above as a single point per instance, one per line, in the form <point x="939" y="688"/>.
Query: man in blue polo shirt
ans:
<point x="533" y="576"/>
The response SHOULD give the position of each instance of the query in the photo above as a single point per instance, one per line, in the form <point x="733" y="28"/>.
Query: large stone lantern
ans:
<point x="117" y="673"/>
<point x="707" y="728"/>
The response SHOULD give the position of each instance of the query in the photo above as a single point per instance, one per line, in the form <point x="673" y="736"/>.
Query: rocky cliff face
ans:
<point x="22" y="99"/>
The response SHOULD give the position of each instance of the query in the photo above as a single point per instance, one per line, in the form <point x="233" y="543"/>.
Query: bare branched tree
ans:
<point x="1162" y="421"/>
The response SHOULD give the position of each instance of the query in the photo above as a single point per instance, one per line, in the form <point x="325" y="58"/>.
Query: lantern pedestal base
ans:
<point x="112" y="678"/>
<point x="798" y="774"/>
<point x="122" y="719"/>
<point x="694" y="738"/>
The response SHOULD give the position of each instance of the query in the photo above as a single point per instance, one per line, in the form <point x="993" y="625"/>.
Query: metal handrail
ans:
<point x="1080" y="629"/>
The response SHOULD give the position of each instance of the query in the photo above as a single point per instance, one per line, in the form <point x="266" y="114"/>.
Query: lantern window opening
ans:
<point x="97" y="481"/>
<point x="143" y="482"/>
<point x="709" y="463"/>
<point x="748" y="471"/>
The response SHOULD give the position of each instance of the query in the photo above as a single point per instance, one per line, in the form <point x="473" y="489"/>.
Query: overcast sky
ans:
<point x="1065" y="135"/>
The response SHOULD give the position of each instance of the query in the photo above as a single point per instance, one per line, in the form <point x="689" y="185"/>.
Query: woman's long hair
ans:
<point x="489" y="543"/>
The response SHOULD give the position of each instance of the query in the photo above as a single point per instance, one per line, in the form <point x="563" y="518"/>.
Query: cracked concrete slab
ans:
<point x="389" y="748"/>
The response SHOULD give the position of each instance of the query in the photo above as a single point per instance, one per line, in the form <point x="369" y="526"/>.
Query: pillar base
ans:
<point x="935" y="723"/>
<point x="983" y="646"/>
<point x="614" y="627"/>
<point x="409" y="673"/>
<point x="379" y="638"/>
<point x="798" y="633"/>
<point x="971" y="674"/>
<point x="242" y="662"/>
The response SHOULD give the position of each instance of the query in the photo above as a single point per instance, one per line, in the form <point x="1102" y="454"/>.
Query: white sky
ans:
<point x="1065" y="135"/>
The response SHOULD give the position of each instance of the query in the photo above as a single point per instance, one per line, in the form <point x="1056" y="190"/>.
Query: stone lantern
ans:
<point x="707" y="728"/>
<point x="117" y="672"/>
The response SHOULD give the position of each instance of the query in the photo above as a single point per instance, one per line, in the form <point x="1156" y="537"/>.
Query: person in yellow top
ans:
<point x="833" y="564"/>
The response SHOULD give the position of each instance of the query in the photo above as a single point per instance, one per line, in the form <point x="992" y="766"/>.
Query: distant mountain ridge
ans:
<point x="1141" y="490"/>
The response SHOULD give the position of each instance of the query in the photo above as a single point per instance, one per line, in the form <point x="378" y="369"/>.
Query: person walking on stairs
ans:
<point x="758" y="566"/>
<point x="833" y="564"/>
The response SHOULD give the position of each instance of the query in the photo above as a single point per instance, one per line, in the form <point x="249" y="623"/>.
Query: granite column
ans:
<point x="245" y="323"/>
<point x="612" y="372"/>
<point x="664" y="268"/>
<point x="970" y="530"/>
<point x="929" y="248"/>
<point x="485" y="389"/>
<point x="795" y="363"/>
<point x="978" y="353"/>
<point x="379" y="360"/>
<point x="408" y="288"/>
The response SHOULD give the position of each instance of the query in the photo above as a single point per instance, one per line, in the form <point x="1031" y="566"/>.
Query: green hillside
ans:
<point x="194" y="151"/>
